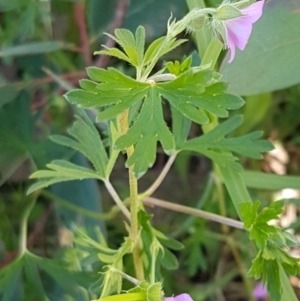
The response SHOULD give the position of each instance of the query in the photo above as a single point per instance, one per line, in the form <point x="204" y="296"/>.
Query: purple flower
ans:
<point x="236" y="31"/>
<point x="182" y="297"/>
<point x="260" y="291"/>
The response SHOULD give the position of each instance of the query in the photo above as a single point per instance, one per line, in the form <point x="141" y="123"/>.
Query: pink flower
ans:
<point x="182" y="297"/>
<point x="238" y="30"/>
<point x="260" y="291"/>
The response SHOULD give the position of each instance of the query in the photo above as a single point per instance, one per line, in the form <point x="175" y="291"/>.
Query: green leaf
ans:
<point x="212" y="142"/>
<point x="180" y="126"/>
<point x="10" y="277"/>
<point x="249" y="213"/>
<point x="257" y="224"/>
<point x="177" y="68"/>
<point x="132" y="46"/>
<point x="65" y="169"/>
<point x="140" y="36"/>
<point x="68" y="280"/>
<point x="60" y="171"/>
<point x="145" y="137"/>
<point x="83" y="239"/>
<point x="116" y="90"/>
<point x="33" y="48"/>
<point x="114" y="52"/>
<point x="270" y="213"/>
<point x="168" y="241"/>
<point x="273" y="280"/>
<point x="275" y="35"/>
<point x="256" y="269"/>
<point x="86" y="140"/>
<point x="160" y="46"/>
<point x="194" y="89"/>
<point x="88" y="85"/>
<point x="33" y="278"/>
<point x="261" y="180"/>
<point x="168" y="259"/>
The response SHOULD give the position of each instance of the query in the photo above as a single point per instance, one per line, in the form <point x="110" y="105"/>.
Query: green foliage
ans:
<point x="177" y="68"/>
<point x="86" y="140"/>
<point x="133" y="46"/>
<point x="270" y="241"/>
<point x="156" y="248"/>
<point x="26" y="270"/>
<point x="192" y="93"/>
<point x="110" y="282"/>
<point x="215" y="140"/>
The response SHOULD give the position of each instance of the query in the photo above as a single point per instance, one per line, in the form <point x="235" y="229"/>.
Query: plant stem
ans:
<point x="117" y="199"/>
<point x="160" y="178"/>
<point x="202" y="36"/>
<point x="23" y="225"/>
<point x="134" y="204"/>
<point x="192" y="211"/>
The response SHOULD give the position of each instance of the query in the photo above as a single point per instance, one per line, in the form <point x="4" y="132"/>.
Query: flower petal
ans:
<point x="231" y="46"/>
<point x="260" y="291"/>
<point x="254" y="11"/>
<point x="238" y="32"/>
<point x="181" y="297"/>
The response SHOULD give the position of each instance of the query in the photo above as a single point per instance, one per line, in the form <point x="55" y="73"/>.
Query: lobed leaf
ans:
<point x="148" y="128"/>
<point x="60" y="171"/>
<point x="212" y="142"/>
<point x="191" y="91"/>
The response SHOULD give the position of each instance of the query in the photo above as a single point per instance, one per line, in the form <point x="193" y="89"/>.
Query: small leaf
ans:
<point x="168" y="260"/>
<point x="249" y="213"/>
<point x="257" y="266"/>
<point x="168" y="241"/>
<point x="114" y="52"/>
<point x="140" y="44"/>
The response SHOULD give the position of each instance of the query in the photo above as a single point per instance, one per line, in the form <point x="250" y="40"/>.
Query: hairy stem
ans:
<point x="134" y="204"/>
